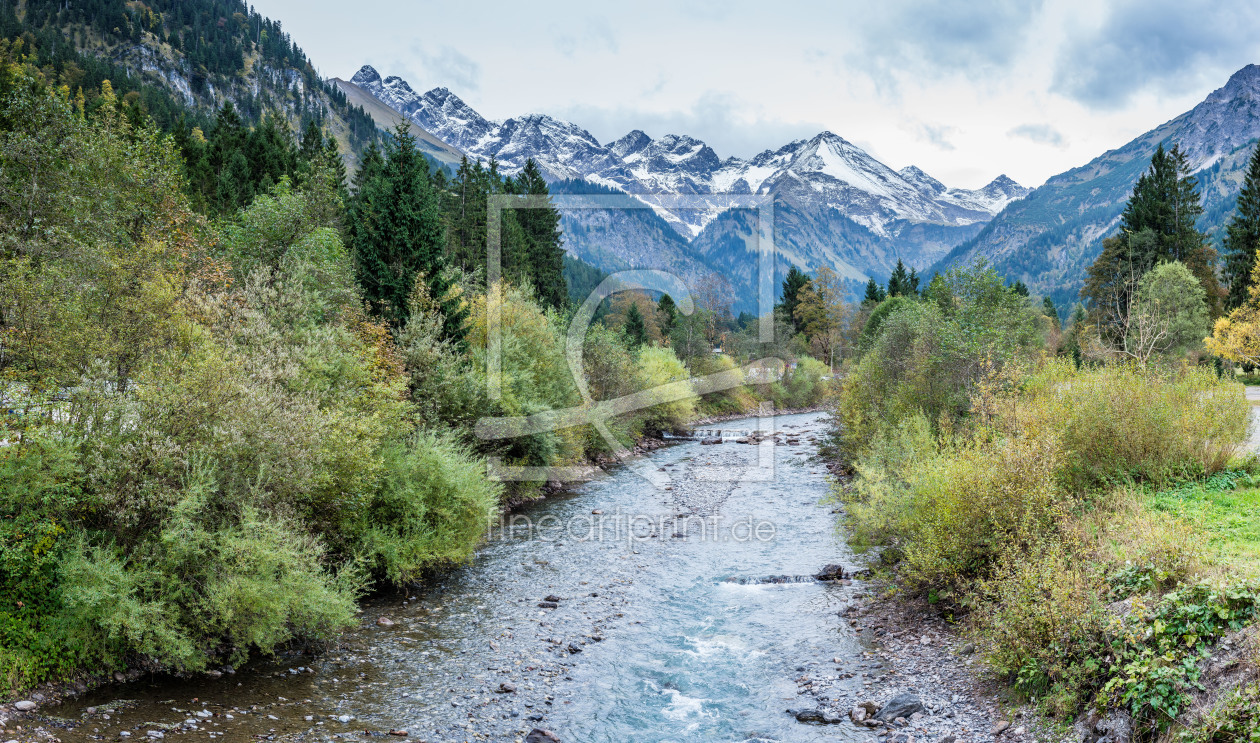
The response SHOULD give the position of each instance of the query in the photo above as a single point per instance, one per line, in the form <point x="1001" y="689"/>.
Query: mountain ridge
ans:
<point x="849" y="179"/>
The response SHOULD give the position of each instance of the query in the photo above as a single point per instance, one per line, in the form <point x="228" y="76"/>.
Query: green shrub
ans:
<point x="1123" y="422"/>
<point x="875" y="322"/>
<point x="1042" y="618"/>
<point x="974" y="502"/>
<point x="933" y="359"/>
<point x="433" y="507"/>
<point x="734" y="400"/>
<point x="208" y="585"/>
<point x="535" y="377"/>
<point x="659" y="374"/>
<point x="804" y="386"/>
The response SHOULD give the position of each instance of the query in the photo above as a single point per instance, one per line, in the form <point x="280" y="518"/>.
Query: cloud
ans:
<point x="938" y="135"/>
<point x="1039" y="133"/>
<point x="1166" y="46"/>
<point x="447" y="66"/>
<point x="728" y="124"/>
<point x="594" y="34"/>
<point x="904" y="37"/>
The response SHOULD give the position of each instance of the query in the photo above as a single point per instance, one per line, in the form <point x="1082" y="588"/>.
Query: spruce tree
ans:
<point x="636" y="329"/>
<point x="1242" y="237"/>
<point x="899" y="281"/>
<point x="396" y="234"/>
<point x="1047" y="306"/>
<point x="669" y="313"/>
<point x="544" y="240"/>
<point x="939" y="292"/>
<point x="874" y="294"/>
<point x="1159" y="223"/>
<point x="793" y="283"/>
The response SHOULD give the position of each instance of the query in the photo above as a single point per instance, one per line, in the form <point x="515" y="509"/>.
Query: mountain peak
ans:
<point x="915" y="176"/>
<point x="393" y="81"/>
<point x="366" y="75"/>
<point x="1003" y="181"/>
<point x="633" y="142"/>
<point x="1248" y="75"/>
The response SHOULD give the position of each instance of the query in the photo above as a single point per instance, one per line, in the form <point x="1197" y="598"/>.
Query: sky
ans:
<point x="965" y="90"/>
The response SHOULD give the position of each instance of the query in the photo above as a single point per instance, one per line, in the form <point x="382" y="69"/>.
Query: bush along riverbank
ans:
<point x="1091" y="532"/>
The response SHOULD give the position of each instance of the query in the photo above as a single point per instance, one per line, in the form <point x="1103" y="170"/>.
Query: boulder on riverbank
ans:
<point x="538" y="735"/>
<point x="902" y="705"/>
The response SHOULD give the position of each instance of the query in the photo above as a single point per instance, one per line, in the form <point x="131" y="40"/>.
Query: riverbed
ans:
<point x="668" y="601"/>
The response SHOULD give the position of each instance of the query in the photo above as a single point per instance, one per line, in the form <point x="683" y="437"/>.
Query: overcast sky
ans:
<point x="966" y="90"/>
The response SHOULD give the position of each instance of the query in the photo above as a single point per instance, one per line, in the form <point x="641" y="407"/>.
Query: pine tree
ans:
<point x="636" y="329"/>
<point x="874" y="294"/>
<point x="912" y="283"/>
<point x="1242" y="236"/>
<point x="793" y="283"/>
<point x="1166" y="201"/>
<point x="1020" y="288"/>
<point x="396" y="235"/>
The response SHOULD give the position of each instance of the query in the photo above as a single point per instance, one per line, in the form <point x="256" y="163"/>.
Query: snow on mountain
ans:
<point x="826" y="171"/>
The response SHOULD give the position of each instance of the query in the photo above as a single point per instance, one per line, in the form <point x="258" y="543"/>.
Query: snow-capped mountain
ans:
<point x="825" y="172"/>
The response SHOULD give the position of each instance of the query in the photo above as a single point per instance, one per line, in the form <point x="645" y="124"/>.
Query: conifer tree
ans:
<point x="395" y="231"/>
<point x="1047" y="306"/>
<point x="939" y="292"/>
<point x="899" y="281"/>
<point x="795" y="281"/>
<point x="636" y="329"/>
<point x="1159" y="224"/>
<point x="544" y="253"/>
<point x="1242" y="237"/>
<point x="669" y="313"/>
<point x="874" y="294"/>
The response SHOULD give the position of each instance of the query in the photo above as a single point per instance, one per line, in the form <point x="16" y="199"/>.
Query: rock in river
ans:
<point x="815" y="716"/>
<point x="538" y="735"/>
<point x="830" y="572"/>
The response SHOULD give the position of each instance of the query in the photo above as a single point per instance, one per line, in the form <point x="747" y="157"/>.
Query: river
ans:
<point x="665" y="628"/>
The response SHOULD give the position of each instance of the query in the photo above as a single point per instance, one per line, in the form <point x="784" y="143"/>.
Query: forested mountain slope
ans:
<point x="185" y="59"/>
<point x="1049" y="238"/>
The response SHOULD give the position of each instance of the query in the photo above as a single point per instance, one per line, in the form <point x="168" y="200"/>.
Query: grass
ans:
<point x="1225" y="510"/>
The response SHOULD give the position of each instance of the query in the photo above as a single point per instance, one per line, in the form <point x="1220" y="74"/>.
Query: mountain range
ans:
<point x="838" y="206"/>
<point x="848" y="209"/>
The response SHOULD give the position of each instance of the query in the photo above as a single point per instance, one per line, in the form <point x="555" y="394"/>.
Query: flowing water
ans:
<point x="684" y="614"/>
